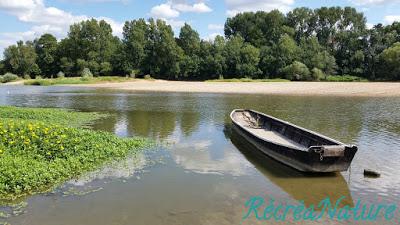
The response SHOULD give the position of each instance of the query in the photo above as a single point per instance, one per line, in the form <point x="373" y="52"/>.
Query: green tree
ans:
<point x="21" y="58"/>
<point x="296" y="71"/>
<point x="391" y="59"/>
<point x="303" y="21"/>
<point x="189" y="41"/>
<point x="46" y="50"/>
<point x="260" y="28"/>
<point x="241" y="58"/>
<point x="162" y="54"/>
<point x="132" y="52"/>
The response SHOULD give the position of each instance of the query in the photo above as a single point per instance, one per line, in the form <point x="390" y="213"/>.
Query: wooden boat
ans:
<point x="289" y="144"/>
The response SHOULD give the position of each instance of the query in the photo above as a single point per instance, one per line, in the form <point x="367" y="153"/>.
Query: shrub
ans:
<point x="86" y="74"/>
<point x="344" y="78"/>
<point x="27" y="77"/>
<point x="38" y="77"/>
<point x="60" y="74"/>
<point x="8" y="77"/>
<point x="317" y="74"/>
<point x="1" y="79"/>
<point x="134" y="73"/>
<point x="147" y="77"/>
<point x="296" y="71"/>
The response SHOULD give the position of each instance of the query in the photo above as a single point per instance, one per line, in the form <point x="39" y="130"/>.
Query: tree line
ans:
<point x="304" y="44"/>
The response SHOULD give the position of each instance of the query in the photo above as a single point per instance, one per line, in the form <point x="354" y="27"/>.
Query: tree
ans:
<point x="91" y="41"/>
<point x="296" y="71"/>
<point x="162" y="54"/>
<point x="21" y="58"/>
<point x="391" y="59"/>
<point x="260" y="28"/>
<point x="132" y="52"/>
<point x="303" y="21"/>
<point x="285" y="52"/>
<point x="189" y="41"/>
<point x="241" y="58"/>
<point x="46" y="50"/>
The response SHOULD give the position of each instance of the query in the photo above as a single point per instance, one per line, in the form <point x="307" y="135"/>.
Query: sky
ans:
<point x="28" y="19"/>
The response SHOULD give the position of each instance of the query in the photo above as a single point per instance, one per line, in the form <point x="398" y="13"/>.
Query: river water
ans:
<point x="202" y="172"/>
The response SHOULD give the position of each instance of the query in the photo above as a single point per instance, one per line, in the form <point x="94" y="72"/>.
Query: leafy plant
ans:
<point x="38" y="150"/>
<point x="8" y="77"/>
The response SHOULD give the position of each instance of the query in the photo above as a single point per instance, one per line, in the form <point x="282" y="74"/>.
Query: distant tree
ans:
<point x="303" y="20"/>
<point x="296" y="71"/>
<point x="241" y="58"/>
<point x="189" y="41"/>
<point x="132" y="53"/>
<point x="162" y="54"/>
<point x="21" y="58"/>
<point x="260" y="28"/>
<point x="46" y="50"/>
<point x="91" y="41"/>
<point x="285" y="52"/>
<point x="391" y="59"/>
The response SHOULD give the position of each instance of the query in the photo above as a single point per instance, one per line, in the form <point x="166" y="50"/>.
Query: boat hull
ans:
<point x="306" y="161"/>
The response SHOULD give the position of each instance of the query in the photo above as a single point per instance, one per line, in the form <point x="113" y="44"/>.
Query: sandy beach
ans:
<point x="378" y="89"/>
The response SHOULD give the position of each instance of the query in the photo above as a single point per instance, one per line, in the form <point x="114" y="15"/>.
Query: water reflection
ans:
<point x="301" y="186"/>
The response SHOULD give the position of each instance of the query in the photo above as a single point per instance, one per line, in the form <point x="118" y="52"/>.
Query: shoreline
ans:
<point x="366" y="89"/>
<point x="340" y="89"/>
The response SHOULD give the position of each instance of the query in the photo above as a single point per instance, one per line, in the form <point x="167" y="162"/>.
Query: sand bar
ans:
<point x="378" y="89"/>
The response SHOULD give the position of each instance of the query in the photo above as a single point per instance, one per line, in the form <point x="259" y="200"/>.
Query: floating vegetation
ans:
<point x="39" y="151"/>
<point x="73" y="191"/>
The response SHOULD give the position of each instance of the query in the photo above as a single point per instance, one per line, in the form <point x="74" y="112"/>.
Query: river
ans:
<point x="201" y="172"/>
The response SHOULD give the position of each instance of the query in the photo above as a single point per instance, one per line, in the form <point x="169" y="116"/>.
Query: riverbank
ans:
<point x="378" y="89"/>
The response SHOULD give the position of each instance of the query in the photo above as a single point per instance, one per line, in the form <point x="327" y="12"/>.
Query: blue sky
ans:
<point x="27" y="19"/>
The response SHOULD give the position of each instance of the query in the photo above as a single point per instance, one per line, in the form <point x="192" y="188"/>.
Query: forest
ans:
<point x="304" y="44"/>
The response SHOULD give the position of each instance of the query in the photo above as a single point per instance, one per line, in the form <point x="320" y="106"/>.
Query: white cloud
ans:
<point x="391" y="18"/>
<point x="370" y="25"/>
<point x="200" y="7"/>
<point x="215" y="26"/>
<point x="43" y="19"/>
<point x="212" y="36"/>
<point x="164" y="11"/>
<point x="373" y="2"/>
<point x="238" y="6"/>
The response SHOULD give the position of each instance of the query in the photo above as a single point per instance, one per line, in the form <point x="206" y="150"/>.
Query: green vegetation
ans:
<point x="263" y="45"/>
<point x="38" y="151"/>
<point x="249" y="80"/>
<point x="8" y="77"/>
<point x="75" y="80"/>
<point x="344" y="78"/>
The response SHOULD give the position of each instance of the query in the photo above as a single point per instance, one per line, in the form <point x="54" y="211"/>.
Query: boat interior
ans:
<point x="277" y="131"/>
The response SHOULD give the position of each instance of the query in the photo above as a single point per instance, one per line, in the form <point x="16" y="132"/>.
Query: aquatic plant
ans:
<point x="37" y="152"/>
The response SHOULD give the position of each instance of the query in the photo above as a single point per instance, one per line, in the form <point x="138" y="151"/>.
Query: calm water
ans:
<point x="204" y="173"/>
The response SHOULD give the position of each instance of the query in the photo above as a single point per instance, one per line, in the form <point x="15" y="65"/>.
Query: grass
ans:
<point x="249" y="80"/>
<point x="75" y="80"/>
<point x="344" y="78"/>
<point x="38" y="150"/>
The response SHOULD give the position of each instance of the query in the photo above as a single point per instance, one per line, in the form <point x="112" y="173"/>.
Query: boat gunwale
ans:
<point x="286" y="123"/>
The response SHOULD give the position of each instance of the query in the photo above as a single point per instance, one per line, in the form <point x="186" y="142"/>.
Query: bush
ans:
<point x="86" y="74"/>
<point x="296" y="71"/>
<point x="38" y="77"/>
<point x="317" y="74"/>
<point x="134" y="73"/>
<point x="147" y="77"/>
<point x="27" y="77"/>
<point x="8" y="77"/>
<point x="1" y="79"/>
<point x="344" y="78"/>
<point x="60" y="74"/>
